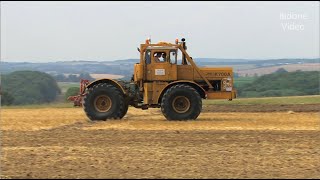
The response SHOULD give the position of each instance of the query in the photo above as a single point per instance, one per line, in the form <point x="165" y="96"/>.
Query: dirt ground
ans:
<point x="263" y="108"/>
<point x="62" y="143"/>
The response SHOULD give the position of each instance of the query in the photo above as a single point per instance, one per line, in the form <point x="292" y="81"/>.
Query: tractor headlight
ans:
<point x="227" y="84"/>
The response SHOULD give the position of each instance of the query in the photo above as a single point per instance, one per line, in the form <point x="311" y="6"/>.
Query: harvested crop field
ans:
<point x="110" y="76"/>
<point x="269" y="70"/>
<point x="258" y="142"/>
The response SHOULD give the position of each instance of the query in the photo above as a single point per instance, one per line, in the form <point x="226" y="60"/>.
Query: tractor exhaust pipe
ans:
<point x="184" y="61"/>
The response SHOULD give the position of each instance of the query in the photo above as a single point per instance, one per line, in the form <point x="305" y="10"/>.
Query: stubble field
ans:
<point x="273" y="141"/>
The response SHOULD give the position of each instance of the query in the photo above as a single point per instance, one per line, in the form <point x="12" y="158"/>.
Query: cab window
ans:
<point x="173" y="56"/>
<point x="148" y="57"/>
<point x="160" y="57"/>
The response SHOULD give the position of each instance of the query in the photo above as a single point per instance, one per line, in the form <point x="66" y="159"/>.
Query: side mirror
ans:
<point x="138" y="49"/>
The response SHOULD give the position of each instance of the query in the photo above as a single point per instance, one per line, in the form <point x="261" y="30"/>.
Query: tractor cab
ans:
<point x="161" y="63"/>
<point x="158" y="62"/>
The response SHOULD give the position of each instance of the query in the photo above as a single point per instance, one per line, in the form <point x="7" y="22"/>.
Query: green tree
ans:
<point x="72" y="91"/>
<point x="85" y="75"/>
<point x="60" y="78"/>
<point x="282" y="84"/>
<point x="281" y="70"/>
<point x="30" y="87"/>
<point x="73" y="78"/>
<point x="6" y="98"/>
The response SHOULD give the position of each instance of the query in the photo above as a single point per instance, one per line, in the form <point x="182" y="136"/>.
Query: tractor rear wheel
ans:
<point x="104" y="101"/>
<point x="181" y="102"/>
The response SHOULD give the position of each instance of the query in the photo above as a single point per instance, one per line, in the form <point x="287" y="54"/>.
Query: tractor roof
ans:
<point x="162" y="47"/>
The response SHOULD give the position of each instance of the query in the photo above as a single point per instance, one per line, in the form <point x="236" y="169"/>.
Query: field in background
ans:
<point x="256" y="68"/>
<point x="64" y="86"/>
<point x="109" y="76"/>
<point x="61" y="99"/>
<point x="236" y="67"/>
<point x="272" y="69"/>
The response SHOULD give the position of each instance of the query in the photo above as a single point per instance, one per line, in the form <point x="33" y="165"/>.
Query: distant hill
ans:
<point x="271" y="69"/>
<point x="131" y="61"/>
<point x="125" y="67"/>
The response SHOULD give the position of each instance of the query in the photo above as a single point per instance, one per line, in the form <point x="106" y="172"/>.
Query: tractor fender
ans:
<point x="198" y="88"/>
<point x="109" y="81"/>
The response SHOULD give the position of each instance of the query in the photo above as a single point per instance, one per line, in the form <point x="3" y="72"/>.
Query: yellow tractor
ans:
<point x="159" y="81"/>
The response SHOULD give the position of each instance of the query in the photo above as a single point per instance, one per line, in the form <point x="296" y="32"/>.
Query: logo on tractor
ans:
<point x="217" y="74"/>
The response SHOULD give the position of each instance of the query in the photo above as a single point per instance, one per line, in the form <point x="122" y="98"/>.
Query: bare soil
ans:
<point x="136" y="148"/>
<point x="263" y="108"/>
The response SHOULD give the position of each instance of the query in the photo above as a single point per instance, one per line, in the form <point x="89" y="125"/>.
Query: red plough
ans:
<point x="78" y="99"/>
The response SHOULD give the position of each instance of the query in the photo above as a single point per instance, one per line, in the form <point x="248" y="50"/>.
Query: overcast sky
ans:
<point x="62" y="31"/>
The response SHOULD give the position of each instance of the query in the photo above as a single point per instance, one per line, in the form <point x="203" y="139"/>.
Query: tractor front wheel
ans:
<point x="181" y="102"/>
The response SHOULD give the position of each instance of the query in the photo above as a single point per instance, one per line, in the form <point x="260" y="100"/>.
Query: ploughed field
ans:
<point x="226" y="141"/>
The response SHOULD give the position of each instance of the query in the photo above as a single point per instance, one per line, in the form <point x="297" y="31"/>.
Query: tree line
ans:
<point x="282" y="83"/>
<point x="28" y="87"/>
<point x="34" y="87"/>
<point x="72" y="77"/>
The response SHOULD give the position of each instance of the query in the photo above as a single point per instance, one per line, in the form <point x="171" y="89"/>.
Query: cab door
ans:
<point x="161" y="68"/>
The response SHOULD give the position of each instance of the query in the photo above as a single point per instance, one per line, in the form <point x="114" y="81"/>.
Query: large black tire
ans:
<point x="104" y="101"/>
<point x="125" y="109"/>
<point x="181" y="102"/>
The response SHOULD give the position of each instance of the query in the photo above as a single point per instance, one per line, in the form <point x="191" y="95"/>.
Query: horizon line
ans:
<point x="251" y="59"/>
